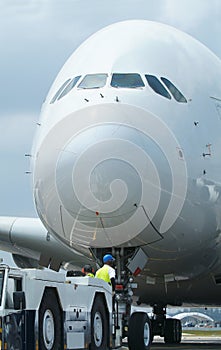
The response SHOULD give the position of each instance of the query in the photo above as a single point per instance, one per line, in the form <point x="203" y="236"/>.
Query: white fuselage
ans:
<point x="126" y="165"/>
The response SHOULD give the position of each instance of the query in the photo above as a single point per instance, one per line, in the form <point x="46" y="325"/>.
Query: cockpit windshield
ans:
<point x="161" y="86"/>
<point x="59" y="91"/>
<point x="2" y="274"/>
<point x="174" y="91"/>
<point x="128" y="80"/>
<point x="157" y="86"/>
<point x="93" y="81"/>
<point x="69" y="87"/>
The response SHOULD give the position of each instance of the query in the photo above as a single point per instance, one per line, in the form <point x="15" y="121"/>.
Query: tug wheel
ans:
<point x="99" y="325"/>
<point x="50" y="320"/>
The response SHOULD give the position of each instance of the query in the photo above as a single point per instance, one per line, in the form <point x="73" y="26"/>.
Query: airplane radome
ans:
<point x="126" y="160"/>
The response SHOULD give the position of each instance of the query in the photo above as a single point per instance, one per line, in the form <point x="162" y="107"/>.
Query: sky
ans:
<point x="37" y="37"/>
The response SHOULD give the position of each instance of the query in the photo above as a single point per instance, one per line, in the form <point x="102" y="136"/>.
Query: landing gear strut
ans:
<point x="136" y="327"/>
<point x="169" y="328"/>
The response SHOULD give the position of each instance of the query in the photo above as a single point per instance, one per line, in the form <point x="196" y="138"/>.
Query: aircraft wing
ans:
<point x="31" y="244"/>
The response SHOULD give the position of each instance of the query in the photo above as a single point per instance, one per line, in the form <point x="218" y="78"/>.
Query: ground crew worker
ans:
<point x="107" y="272"/>
<point x="88" y="270"/>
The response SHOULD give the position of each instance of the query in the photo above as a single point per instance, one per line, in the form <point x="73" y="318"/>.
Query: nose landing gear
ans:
<point x="138" y="324"/>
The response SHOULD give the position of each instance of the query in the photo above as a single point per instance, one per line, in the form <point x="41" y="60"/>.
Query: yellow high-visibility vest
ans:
<point x="90" y="274"/>
<point x="103" y="274"/>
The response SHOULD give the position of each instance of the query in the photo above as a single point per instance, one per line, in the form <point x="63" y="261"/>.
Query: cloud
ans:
<point x="185" y="13"/>
<point x="15" y="186"/>
<point x="17" y="132"/>
<point x="23" y="8"/>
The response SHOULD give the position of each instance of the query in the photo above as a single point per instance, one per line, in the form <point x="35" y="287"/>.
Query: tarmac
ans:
<point x="187" y="343"/>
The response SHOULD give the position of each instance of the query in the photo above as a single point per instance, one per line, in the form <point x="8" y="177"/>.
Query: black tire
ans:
<point x="99" y="325"/>
<point x="173" y="331"/>
<point x="139" y="334"/>
<point x="50" y="322"/>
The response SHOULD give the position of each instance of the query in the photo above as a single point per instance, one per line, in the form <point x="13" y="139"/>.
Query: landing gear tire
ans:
<point x="50" y="320"/>
<point x="99" y="325"/>
<point x="173" y="331"/>
<point x="139" y="335"/>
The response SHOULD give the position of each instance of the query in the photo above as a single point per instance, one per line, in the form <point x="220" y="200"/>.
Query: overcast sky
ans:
<point x="36" y="38"/>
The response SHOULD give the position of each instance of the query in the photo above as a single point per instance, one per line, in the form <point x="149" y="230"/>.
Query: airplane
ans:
<point x="126" y="159"/>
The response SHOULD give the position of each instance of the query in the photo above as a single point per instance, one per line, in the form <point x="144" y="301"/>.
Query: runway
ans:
<point x="188" y="343"/>
<point x="182" y="346"/>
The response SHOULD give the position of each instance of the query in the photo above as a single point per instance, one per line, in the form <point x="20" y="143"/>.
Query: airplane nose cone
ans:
<point x="101" y="172"/>
<point x="111" y="176"/>
<point x="97" y="166"/>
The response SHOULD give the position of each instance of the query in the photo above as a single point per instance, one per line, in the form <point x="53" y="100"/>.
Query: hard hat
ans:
<point x="108" y="257"/>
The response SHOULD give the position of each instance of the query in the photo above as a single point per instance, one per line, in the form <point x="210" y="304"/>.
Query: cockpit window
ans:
<point x="69" y="87"/>
<point x="129" y="80"/>
<point x="174" y="91"/>
<point x="59" y="91"/>
<point x="156" y="85"/>
<point x="93" y="81"/>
